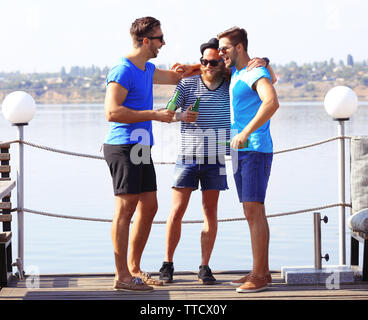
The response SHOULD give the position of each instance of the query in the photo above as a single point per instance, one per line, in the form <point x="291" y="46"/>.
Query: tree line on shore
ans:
<point x="92" y="79"/>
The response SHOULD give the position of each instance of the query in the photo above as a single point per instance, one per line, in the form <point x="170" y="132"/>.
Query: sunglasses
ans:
<point x="161" y="38"/>
<point x="224" y="49"/>
<point x="213" y="63"/>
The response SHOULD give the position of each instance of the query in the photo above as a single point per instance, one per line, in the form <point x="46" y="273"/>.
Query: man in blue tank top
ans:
<point x="253" y="101"/>
<point x="127" y="149"/>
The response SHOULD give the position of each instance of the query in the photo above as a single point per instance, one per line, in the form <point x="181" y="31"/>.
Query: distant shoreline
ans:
<point x="162" y="93"/>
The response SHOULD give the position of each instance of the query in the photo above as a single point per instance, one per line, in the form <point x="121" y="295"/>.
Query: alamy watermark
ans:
<point x="33" y="277"/>
<point x="197" y="141"/>
<point x="333" y="281"/>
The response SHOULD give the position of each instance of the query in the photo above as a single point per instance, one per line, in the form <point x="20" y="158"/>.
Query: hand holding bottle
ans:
<point x="188" y="115"/>
<point x="239" y="141"/>
<point x="165" y="115"/>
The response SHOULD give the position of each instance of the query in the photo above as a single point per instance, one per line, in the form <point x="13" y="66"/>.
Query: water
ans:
<point x="76" y="186"/>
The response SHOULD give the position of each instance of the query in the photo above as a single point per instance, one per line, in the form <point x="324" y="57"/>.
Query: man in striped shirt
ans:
<point x="202" y="158"/>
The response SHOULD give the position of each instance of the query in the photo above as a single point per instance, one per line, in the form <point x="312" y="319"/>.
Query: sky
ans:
<point x="44" y="35"/>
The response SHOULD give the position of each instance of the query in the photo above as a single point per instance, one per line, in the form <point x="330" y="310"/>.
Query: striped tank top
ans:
<point x="206" y="137"/>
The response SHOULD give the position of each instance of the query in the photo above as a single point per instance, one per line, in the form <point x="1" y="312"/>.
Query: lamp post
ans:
<point x="19" y="108"/>
<point x="340" y="103"/>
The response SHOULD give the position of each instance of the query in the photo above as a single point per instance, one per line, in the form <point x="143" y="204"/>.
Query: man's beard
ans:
<point x="214" y="76"/>
<point x="154" y="51"/>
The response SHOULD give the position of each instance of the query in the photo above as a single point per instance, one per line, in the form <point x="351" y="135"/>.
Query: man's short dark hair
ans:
<point x="235" y="35"/>
<point x="142" y="28"/>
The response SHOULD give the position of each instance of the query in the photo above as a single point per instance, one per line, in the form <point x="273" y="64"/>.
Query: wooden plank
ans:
<point x="4" y="145"/>
<point x="5" y="178"/>
<point x="5" y="218"/>
<point x="5" y="236"/>
<point x="4" y="169"/>
<point x="185" y="287"/>
<point x="5" y="206"/>
<point x="4" y="156"/>
<point x="6" y="187"/>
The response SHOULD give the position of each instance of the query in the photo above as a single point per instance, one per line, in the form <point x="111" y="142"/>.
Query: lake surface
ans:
<point x="67" y="185"/>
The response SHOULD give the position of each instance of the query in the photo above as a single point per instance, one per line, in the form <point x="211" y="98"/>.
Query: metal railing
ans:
<point x="20" y="207"/>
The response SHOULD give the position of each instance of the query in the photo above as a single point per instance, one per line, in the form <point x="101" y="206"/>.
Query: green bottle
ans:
<point x="171" y="105"/>
<point x="227" y="143"/>
<point x="195" y="107"/>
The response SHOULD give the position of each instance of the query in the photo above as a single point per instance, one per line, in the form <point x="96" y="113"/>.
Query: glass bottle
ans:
<point x="227" y="143"/>
<point x="171" y="105"/>
<point x="195" y="107"/>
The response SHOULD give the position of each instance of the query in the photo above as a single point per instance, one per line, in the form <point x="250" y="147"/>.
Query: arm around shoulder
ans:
<point x="177" y="72"/>
<point x="272" y="74"/>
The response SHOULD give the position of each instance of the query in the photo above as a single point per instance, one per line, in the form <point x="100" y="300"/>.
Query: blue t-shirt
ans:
<point x="245" y="103"/>
<point x="139" y="84"/>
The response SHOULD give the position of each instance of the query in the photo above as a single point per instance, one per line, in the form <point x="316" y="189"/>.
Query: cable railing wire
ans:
<point x="46" y="148"/>
<point x="54" y="215"/>
<point x="76" y="154"/>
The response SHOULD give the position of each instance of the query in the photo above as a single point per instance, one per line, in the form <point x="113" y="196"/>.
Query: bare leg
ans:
<point x="125" y="206"/>
<point x="146" y="211"/>
<point x="254" y="212"/>
<point x="180" y="201"/>
<point x="267" y="267"/>
<point x="209" y="231"/>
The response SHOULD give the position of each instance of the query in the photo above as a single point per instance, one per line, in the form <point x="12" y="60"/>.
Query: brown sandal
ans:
<point x="135" y="284"/>
<point x="147" y="279"/>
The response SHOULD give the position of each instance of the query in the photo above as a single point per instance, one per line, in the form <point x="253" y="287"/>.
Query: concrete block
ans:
<point x="331" y="276"/>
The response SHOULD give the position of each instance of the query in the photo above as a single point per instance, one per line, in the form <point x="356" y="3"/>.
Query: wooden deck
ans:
<point x="185" y="287"/>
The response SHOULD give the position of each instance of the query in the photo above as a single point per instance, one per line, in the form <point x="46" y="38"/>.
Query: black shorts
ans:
<point x="130" y="177"/>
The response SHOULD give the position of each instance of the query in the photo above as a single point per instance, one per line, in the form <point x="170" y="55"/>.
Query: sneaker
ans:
<point x="135" y="284"/>
<point x="167" y="272"/>
<point x="253" y="284"/>
<point x="240" y="281"/>
<point x="205" y="275"/>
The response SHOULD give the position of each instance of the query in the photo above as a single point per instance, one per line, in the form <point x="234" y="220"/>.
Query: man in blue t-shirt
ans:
<point x="253" y="101"/>
<point x="127" y="149"/>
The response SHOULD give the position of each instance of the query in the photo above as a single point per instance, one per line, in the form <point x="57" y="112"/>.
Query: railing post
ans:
<point x="317" y="240"/>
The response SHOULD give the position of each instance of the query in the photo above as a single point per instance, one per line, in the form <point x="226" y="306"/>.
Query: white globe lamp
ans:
<point x="341" y="102"/>
<point x="18" y="108"/>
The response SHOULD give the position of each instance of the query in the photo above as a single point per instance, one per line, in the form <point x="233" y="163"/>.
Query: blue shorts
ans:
<point x="251" y="173"/>
<point x="211" y="172"/>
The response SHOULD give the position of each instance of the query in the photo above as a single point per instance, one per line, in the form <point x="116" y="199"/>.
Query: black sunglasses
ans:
<point x="161" y="38"/>
<point x="224" y="49"/>
<point x="213" y="63"/>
